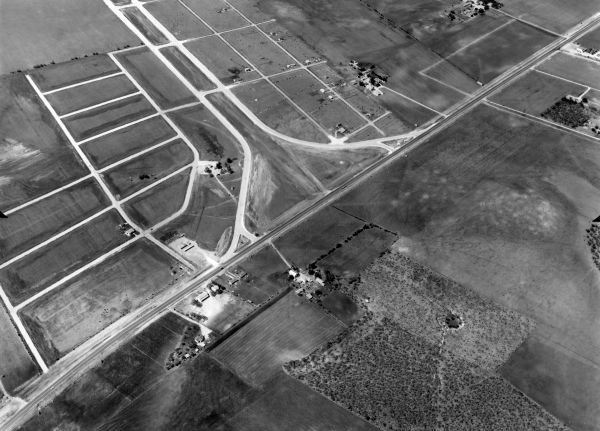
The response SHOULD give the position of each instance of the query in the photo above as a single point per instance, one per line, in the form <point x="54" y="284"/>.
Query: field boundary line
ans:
<point x="280" y="254"/>
<point x="476" y="40"/>
<point x="116" y="129"/>
<point x="138" y="154"/>
<point x="98" y="105"/>
<point x="157" y="182"/>
<point x="580" y="57"/>
<point x="414" y="101"/>
<point x="47" y="195"/>
<point x="529" y="23"/>
<point x="77" y="84"/>
<point x="75" y="273"/>
<point x="565" y="79"/>
<point x="452" y="87"/>
<point x="360" y="129"/>
<point x="183" y="316"/>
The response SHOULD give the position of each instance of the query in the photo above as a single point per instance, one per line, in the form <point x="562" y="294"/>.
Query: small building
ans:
<point x="202" y="297"/>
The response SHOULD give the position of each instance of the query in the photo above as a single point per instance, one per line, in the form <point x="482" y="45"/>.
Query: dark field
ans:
<point x="35" y="156"/>
<point x="179" y="21"/>
<point x="450" y="75"/>
<point x="586" y="72"/>
<point x="251" y="9"/>
<point x="41" y="220"/>
<point x="289" y="41"/>
<point x="49" y="264"/>
<point x="390" y="125"/>
<point x="143" y="24"/>
<point x="211" y="11"/>
<point x="185" y="66"/>
<point x="366" y="134"/>
<point x="591" y="39"/>
<point x="406" y="111"/>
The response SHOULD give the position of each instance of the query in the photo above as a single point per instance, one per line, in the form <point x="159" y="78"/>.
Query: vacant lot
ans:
<point x="591" y="39"/>
<point x="406" y="111"/>
<point x="290" y="42"/>
<point x="41" y="220"/>
<point x="450" y="75"/>
<point x="35" y="156"/>
<point x="177" y="19"/>
<point x="104" y="118"/>
<point x="49" y="264"/>
<point x="287" y="330"/>
<point x="37" y="33"/>
<point x="69" y="315"/>
<point x="251" y="9"/>
<point x="586" y="72"/>
<point x="221" y="60"/>
<point x="143" y="24"/>
<point x="154" y="77"/>
<point x="185" y="66"/>
<point x="390" y="125"/>
<point x="216" y="14"/>
<point x="367" y="133"/>
<point x="73" y="99"/>
<point x="127" y="141"/>
<point x="142" y="171"/>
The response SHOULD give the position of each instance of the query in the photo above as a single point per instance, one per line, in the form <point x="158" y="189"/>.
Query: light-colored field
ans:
<point x="185" y="66"/>
<point x="216" y="14"/>
<point x="143" y="24"/>
<point x="178" y="20"/>
<point x="585" y="72"/>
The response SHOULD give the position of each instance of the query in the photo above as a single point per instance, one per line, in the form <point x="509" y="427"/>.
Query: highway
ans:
<point x="69" y="368"/>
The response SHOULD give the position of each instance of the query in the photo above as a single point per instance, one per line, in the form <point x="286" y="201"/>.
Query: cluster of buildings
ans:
<point x="369" y="77"/>
<point x="592" y="53"/>
<point x="127" y="230"/>
<point x="308" y="282"/>
<point x="472" y="8"/>
<point x="218" y="168"/>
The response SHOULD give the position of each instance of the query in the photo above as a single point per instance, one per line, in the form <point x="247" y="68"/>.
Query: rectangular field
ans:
<point x="591" y="39"/>
<point x="64" y="318"/>
<point x="41" y="220"/>
<point x="367" y="133"/>
<point x="107" y="117"/>
<point x="40" y="269"/>
<point x="290" y="42"/>
<point x="142" y="171"/>
<point x="216" y="14"/>
<point x="285" y="331"/>
<point x="406" y="111"/>
<point x="578" y="69"/>
<point x="154" y="77"/>
<point x="177" y="19"/>
<point x="251" y="10"/>
<point x="185" y="66"/>
<point x="448" y="74"/>
<point x="75" y="98"/>
<point x="143" y="24"/>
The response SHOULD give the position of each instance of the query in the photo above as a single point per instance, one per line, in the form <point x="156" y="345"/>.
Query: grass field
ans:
<point x="73" y="99"/>
<point x="41" y="220"/>
<point x="221" y="60"/>
<point x="177" y="19"/>
<point x="104" y="118"/>
<point x="277" y="112"/>
<point x="287" y="330"/>
<point x="535" y="92"/>
<point x="69" y="315"/>
<point x="366" y="134"/>
<point x="160" y="202"/>
<point x="390" y="125"/>
<point x="154" y="77"/>
<point x="142" y="171"/>
<point x="40" y="269"/>
<point x="143" y="24"/>
<point x="34" y="33"/>
<point x="216" y="14"/>
<point x="290" y="42"/>
<point x="127" y="141"/>
<point x="262" y="52"/>
<point x="450" y="75"/>
<point x="409" y="113"/>
<point x="585" y="72"/>
<point x="252" y="9"/>
<point x="35" y="155"/>
<point x="591" y="39"/>
<point x="185" y="66"/>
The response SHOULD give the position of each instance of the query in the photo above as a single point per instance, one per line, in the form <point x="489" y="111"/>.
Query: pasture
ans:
<point x="143" y="24"/>
<point x="177" y="19"/>
<point x="185" y="66"/>
<point x="578" y="69"/>
<point x="154" y="77"/>
<point x="216" y="14"/>
<point x="40" y="269"/>
<point x="43" y="219"/>
<point x="36" y="157"/>
<point x="290" y="42"/>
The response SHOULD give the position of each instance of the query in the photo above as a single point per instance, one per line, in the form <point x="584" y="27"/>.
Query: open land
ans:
<point x="390" y="125"/>
<point x="366" y="134"/>
<point x="450" y="75"/>
<point x="591" y="39"/>
<point x="290" y="42"/>
<point x="585" y="72"/>
<point x="186" y="67"/>
<point x="216" y="14"/>
<point x="143" y="24"/>
<point x="177" y="19"/>
<point x="251" y="9"/>
<point x="406" y="111"/>
<point x="35" y="156"/>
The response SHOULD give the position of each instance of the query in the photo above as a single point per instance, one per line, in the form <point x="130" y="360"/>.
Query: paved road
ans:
<point x="66" y="370"/>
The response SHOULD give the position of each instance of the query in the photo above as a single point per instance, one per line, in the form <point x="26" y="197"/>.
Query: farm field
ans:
<point x="160" y="202"/>
<point x="177" y="19"/>
<point x="287" y="330"/>
<point x="390" y="125"/>
<point x="125" y="142"/>
<point x="535" y="92"/>
<point x="43" y="219"/>
<point x="83" y="96"/>
<point x="17" y="365"/>
<point x="36" y="157"/>
<point x="405" y="111"/>
<point x="366" y="134"/>
<point x="290" y="42"/>
<point x="40" y="269"/>
<point x="185" y="66"/>
<point x="591" y="39"/>
<point x="34" y="33"/>
<point x="262" y="52"/>
<point x="143" y="24"/>
<point x="216" y="14"/>
<point x="154" y="77"/>
<point x="251" y="9"/>
<point x="107" y="117"/>
<point x="221" y="60"/>
<point x="498" y="52"/>
<point x="450" y="75"/>
<point x="585" y="72"/>
<point x="69" y="315"/>
<point x="142" y="171"/>
<point x="277" y="112"/>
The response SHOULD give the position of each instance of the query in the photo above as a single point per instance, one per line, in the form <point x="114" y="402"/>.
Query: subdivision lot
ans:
<point x="323" y="106"/>
<point x="67" y="316"/>
<point x="498" y="52"/>
<point x="535" y="92"/>
<point x="143" y="24"/>
<point x="262" y="52"/>
<point x="36" y="33"/>
<point x="177" y="19"/>
<point x="41" y="220"/>
<point x="125" y="142"/>
<point x="287" y="330"/>
<point x="277" y="112"/>
<point x="185" y="66"/>
<point x="290" y="42"/>
<point x="583" y="71"/>
<point x="142" y="171"/>
<point x="82" y="96"/>
<point x="366" y="134"/>
<point x="591" y="39"/>
<point x="154" y="77"/>
<point x="406" y="111"/>
<point x="217" y="14"/>
<point x="390" y="125"/>
<point x="159" y="202"/>
<point x="107" y="117"/>
<point x="16" y="366"/>
<point x="251" y="10"/>
<point x="59" y="75"/>
<point x="221" y="60"/>
<point x="40" y="269"/>
<point x="35" y="156"/>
